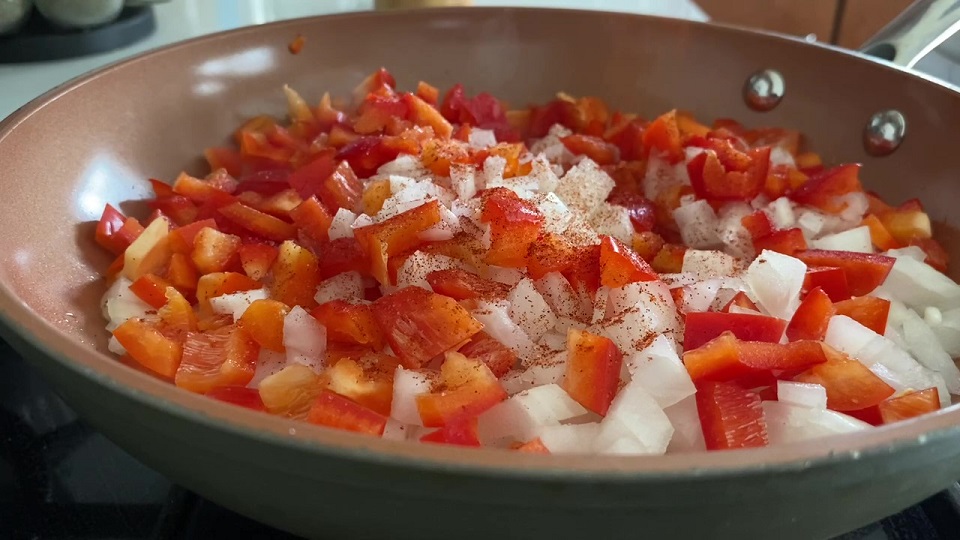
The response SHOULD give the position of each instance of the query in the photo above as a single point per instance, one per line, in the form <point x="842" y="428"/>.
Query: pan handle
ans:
<point x="915" y="32"/>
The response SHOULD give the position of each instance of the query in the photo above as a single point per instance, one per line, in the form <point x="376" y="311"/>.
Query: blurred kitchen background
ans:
<point x="38" y="36"/>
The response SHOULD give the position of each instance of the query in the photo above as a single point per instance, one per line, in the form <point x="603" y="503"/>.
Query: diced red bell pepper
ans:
<point x="468" y="388"/>
<point x="595" y="148"/>
<point x="936" y="255"/>
<point x="620" y="265"/>
<point x="259" y="223"/>
<point x="869" y="311"/>
<point x="342" y="189"/>
<point x="279" y="204"/>
<point x="313" y="219"/>
<point x="459" y="433"/>
<point x="642" y="210"/>
<point x="178" y="208"/>
<point x="161" y="188"/>
<point x="583" y="274"/>
<point x="514" y="225"/>
<point x="308" y="179"/>
<point x="257" y="258"/>
<point x="850" y="385"/>
<point x="220" y="283"/>
<point x="223" y="357"/>
<point x="366" y="154"/>
<point x="380" y="112"/>
<point x="349" y="323"/>
<point x="497" y="356"/>
<point x="366" y="378"/>
<point x="483" y="111"/>
<point x="533" y="446"/>
<point x="152" y="289"/>
<point x="149" y="347"/>
<point x="593" y="370"/>
<point x="419" y="324"/>
<point x="342" y="255"/>
<point x="879" y="235"/>
<point x="740" y="300"/>
<point x="758" y="224"/>
<point x="906" y="224"/>
<point x="197" y="190"/>
<point x="832" y="281"/>
<point x="182" y="239"/>
<point x="238" y="395"/>
<point x="549" y="253"/>
<point x="724" y="176"/>
<point x="336" y="411"/>
<point x="229" y="159"/>
<point x="702" y="327"/>
<point x="730" y="416"/>
<point x="116" y="232"/>
<point x="865" y="271"/>
<point x="786" y="241"/>
<point x="663" y="135"/>
<point x="182" y="274"/>
<point x="909" y="405"/>
<point x="669" y="260"/>
<point x="422" y="113"/>
<point x="295" y="276"/>
<point x="263" y="322"/>
<point x="812" y="317"/>
<point x="214" y="251"/>
<point x="460" y="284"/>
<point x="396" y="235"/>
<point x="823" y="189"/>
<point x="177" y="317"/>
<point x="427" y="92"/>
<point x="726" y="358"/>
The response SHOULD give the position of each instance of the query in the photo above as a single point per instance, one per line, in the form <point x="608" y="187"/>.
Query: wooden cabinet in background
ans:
<point x="847" y="23"/>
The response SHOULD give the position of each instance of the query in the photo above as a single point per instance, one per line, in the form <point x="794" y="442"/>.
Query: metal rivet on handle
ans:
<point x="884" y="132"/>
<point x="764" y="90"/>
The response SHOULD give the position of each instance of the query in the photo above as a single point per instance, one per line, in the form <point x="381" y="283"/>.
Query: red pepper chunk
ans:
<point x="534" y="446"/>
<point x="786" y="241"/>
<point x="702" y="327"/>
<point x="257" y="222"/>
<point x="595" y="148"/>
<point x="726" y="358"/>
<point x="458" y="433"/>
<point x="758" y="224"/>
<point x="864" y="271"/>
<point x="242" y="396"/>
<point x="418" y="324"/>
<point x="497" y="356"/>
<point x="909" y="405"/>
<point x="812" y="317"/>
<point x="149" y="347"/>
<point x="460" y="284"/>
<point x="335" y="411"/>
<point x="593" y="370"/>
<point x="396" y="235"/>
<point x="869" y="311"/>
<point x="832" y="281"/>
<point x="514" y="225"/>
<point x="349" y="323"/>
<point x="116" y="232"/>
<point x="740" y="300"/>
<point x="730" y="416"/>
<point x="663" y="135"/>
<point x="850" y="385"/>
<point x="468" y="389"/>
<point x="223" y="357"/>
<point x="824" y="189"/>
<point x="620" y="265"/>
<point x="723" y="173"/>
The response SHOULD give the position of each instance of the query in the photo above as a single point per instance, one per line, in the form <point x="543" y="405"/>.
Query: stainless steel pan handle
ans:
<point x="914" y="33"/>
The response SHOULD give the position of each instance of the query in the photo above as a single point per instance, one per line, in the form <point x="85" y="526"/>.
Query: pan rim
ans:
<point x="54" y="346"/>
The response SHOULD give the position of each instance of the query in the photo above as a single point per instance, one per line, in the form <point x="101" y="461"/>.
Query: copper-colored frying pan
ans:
<point x="97" y="139"/>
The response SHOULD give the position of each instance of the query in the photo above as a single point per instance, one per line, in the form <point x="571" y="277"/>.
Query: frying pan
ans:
<point x="97" y="139"/>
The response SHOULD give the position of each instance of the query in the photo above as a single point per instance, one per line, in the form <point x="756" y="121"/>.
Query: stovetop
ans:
<point x="61" y="479"/>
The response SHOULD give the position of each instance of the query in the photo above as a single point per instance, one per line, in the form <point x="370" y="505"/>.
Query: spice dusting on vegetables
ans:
<point x="563" y="278"/>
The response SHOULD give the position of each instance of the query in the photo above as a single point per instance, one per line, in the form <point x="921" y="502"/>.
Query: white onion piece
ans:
<point x="268" y="363"/>
<point x="810" y="223"/>
<point x="548" y="369"/>
<point x="775" y="281"/>
<point x="447" y="228"/>
<point x="698" y="225"/>
<point x="556" y="215"/>
<point x="119" y="303"/>
<point x="856" y="205"/>
<point x="584" y="187"/>
<point x="709" y="264"/>
<point x="856" y="239"/>
<point x="600" y="305"/>
<point x="699" y="297"/>
<point x="560" y="296"/>
<point x="788" y="423"/>
<point x="687" y="433"/>
<point x="236" y="303"/>
<point x="913" y="252"/>
<point x="463" y="180"/>
<point x="570" y="438"/>
<point x="529" y="309"/>
<point x="405" y="165"/>
<point x="304" y="339"/>
<point x="658" y="369"/>
<point x="481" y="138"/>
<point x="735" y="237"/>
<point x="555" y="341"/>
<point x="523" y="415"/>
<point x="346" y="286"/>
<point x="781" y="213"/>
<point x="631" y="330"/>
<point x="507" y="276"/>
<point x="809" y="395"/>
<point x="919" y="285"/>
<point x="407" y="385"/>
<point x="497" y="322"/>
<point x="612" y="220"/>
<point x="662" y="175"/>
<point x="398" y="431"/>
<point x="925" y="347"/>
<point x="114" y="346"/>
<point x="340" y="227"/>
<point x="947" y="329"/>
<point x="635" y="413"/>
<point x="414" y="270"/>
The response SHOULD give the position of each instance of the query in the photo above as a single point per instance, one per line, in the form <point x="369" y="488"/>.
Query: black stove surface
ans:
<point x="60" y="479"/>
